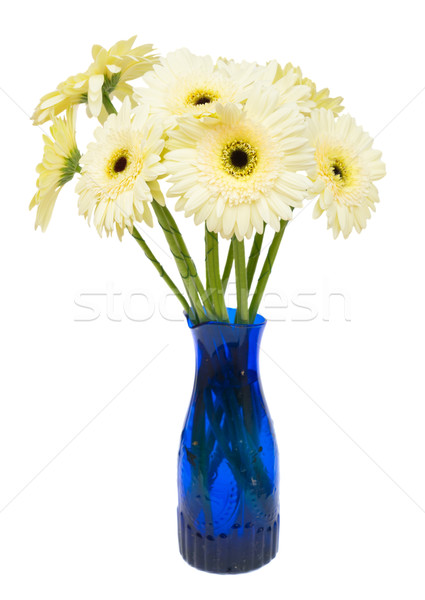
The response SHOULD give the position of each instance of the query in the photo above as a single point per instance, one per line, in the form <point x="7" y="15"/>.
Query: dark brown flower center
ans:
<point x="239" y="158"/>
<point x="120" y="164"/>
<point x="337" y="170"/>
<point x="202" y="100"/>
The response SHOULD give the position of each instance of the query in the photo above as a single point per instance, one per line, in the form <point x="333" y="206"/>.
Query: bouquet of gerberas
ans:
<point x="242" y="145"/>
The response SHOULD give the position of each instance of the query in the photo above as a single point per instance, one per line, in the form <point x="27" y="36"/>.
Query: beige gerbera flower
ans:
<point x="120" y="171"/>
<point x="108" y="73"/>
<point x="60" y="163"/>
<point x="290" y="77"/>
<point x="346" y="166"/>
<point x="239" y="170"/>
<point x="184" y="83"/>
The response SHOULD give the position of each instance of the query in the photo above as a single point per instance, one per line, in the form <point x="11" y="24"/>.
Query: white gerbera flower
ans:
<point x="293" y="86"/>
<point x="238" y="170"/>
<point x="60" y="163"/>
<point x="289" y="85"/>
<point x="187" y="84"/>
<point x="120" y="171"/>
<point x="346" y="166"/>
<point x="109" y="72"/>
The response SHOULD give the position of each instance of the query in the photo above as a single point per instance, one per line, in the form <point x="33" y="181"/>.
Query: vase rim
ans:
<point x="259" y="321"/>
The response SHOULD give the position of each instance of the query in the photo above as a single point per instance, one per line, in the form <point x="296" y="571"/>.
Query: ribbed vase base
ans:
<point x="247" y="547"/>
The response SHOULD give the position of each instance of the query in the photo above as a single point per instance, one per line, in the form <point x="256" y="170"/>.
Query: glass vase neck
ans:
<point x="259" y="321"/>
<point x="228" y="345"/>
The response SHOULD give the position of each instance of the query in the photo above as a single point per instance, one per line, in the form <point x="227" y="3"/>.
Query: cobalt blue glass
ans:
<point x="228" y="474"/>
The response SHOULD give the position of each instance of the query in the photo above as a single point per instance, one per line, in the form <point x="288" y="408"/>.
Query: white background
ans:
<point x="90" y="414"/>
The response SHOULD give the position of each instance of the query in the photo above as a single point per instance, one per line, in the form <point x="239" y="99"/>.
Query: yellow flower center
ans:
<point x="201" y="96"/>
<point x="118" y="163"/>
<point x="343" y="173"/>
<point x="338" y="166"/>
<point x="239" y="158"/>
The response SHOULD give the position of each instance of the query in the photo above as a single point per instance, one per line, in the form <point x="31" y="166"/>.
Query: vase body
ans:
<point x="228" y="512"/>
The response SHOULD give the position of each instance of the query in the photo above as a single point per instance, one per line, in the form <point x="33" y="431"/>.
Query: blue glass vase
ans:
<point x="228" y="475"/>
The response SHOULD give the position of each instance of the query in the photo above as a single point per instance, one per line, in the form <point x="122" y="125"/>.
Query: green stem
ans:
<point x="214" y="285"/>
<point x="200" y="451"/>
<point x="227" y="268"/>
<point x="222" y="440"/>
<point x="239" y="457"/>
<point x="241" y="281"/>
<point x="265" y="272"/>
<point x="110" y="108"/>
<point x="162" y="273"/>
<point x="173" y="228"/>
<point x="254" y="256"/>
<point x="181" y="263"/>
<point x="207" y="274"/>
